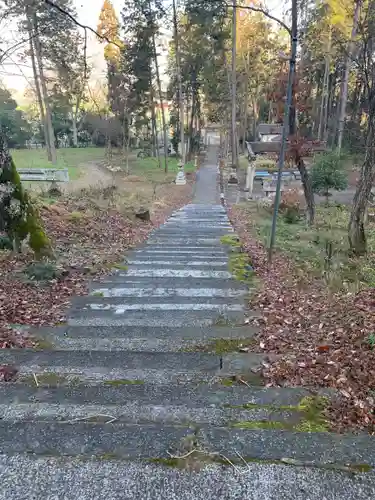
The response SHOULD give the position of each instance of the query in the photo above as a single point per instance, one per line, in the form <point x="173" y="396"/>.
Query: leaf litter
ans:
<point x="87" y="241"/>
<point x="313" y="337"/>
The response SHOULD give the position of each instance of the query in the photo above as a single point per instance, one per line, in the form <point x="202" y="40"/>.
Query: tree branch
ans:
<point x="85" y="27"/>
<point x="10" y="50"/>
<point x="265" y="13"/>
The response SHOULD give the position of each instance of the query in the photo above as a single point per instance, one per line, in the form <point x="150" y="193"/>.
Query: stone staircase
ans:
<point x="138" y="395"/>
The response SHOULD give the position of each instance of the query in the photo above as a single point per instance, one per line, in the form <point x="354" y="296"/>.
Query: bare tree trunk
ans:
<point x="246" y="100"/>
<point x="234" y="85"/>
<point x="179" y="83"/>
<point x="356" y="230"/>
<point x="75" y="130"/>
<point x="344" y="95"/>
<point x="192" y="113"/>
<point x="305" y="177"/>
<point x="154" y="124"/>
<point x="324" y="102"/>
<point x="38" y="53"/>
<point x="161" y="100"/>
<point x="37" y="88"/>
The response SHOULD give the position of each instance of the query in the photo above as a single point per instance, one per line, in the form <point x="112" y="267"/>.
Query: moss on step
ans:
<point x="252" y="379"/>
<point x="49" y="379"/>
<point x="124" y="381"/>
<point x="222" y="320"/>
<point x="262" y="424"/>
<point x="231" y="240"/>
<point x="108" y="456"/>
<point x="253" y="406"/>
<point x="121" y="267"/>
<point x="97" y="294"/>
<point x="43" y="344"/>
<point x="240" y="267"/>
<point x="310" y="411"/>
<point x="361" y="467"/>
<point x="313" y="411"/>
<point x="220" y="345"/>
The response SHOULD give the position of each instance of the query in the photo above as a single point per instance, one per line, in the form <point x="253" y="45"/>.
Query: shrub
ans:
<point x="266" y="164"/>
<point x="42" y="271"/>
<point x="290" y="206"/>
<point x="5" y="243"/>
<point x="328" y="173"/>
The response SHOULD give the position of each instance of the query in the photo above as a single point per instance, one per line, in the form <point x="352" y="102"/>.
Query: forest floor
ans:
<point x="318" y="308"/>
<point x="90" y="229"/>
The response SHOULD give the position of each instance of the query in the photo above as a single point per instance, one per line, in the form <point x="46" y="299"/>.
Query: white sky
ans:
<point x="16" y="73"/>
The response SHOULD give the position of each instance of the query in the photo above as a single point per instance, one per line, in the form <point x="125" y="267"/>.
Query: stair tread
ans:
<point x="129" y="441"/>
<point x="75" y="478"/>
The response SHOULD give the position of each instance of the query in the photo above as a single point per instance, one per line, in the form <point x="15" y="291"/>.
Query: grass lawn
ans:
<point x="322" y="250"/>
<point x="149" y="168"/>
<point x="69" y="158"/>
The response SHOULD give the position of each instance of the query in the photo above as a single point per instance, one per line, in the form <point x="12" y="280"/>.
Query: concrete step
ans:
<point x="186" y="315"/>
<point x="135" y="413"/>
<point x="97" y="366"/>
<point x="119" y="305"/>
<point x="136" y="332"/>
<point x="26" y="477"/>
<point x="131" y="290"/>
<point x="187" y="394"/>
<point x="176" y="264"/>
<point x="183" y="241"/>
<point x="121" y="278"/>
<point x="145" y="339"/>
<point x="182" y="252"/>
<point x="151" y="441"/>
<point x="191" y="232"/>
<point x="185" y="258"/>
<point x="174" y="273"/>
<point x="186" y="222"/>
<point x="169" y="247"/>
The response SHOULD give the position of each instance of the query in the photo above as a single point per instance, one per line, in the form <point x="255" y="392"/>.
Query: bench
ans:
<point x="43" y="174"/>
<point x="271" y="186"/>
<point x="261" y="174"/>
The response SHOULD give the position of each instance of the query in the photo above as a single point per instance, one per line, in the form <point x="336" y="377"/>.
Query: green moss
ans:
<point x="220" y="346"/>
<point x="169" y="462"/>
<point x="312" y="409"/>
<point x="255" y="406"/>
<point x="97" y="294"/>
<point x="253" y="379"/>
<point x="76" y="216"/>
<point x="50" y="379"/>
<point x="44" y="344"/>
<point x="240" y="267"/>
<point x="222" y="320"/>
<point x="23" y="220"/>
<point x="261" y="424"/>
<point x="124" y="382"/>
<point x="122" y="267"/>
<point x="231" y="240"/>
<point x="108" y="456"/>
<point x="361" y="467"/>
<point x="227" y="382"/>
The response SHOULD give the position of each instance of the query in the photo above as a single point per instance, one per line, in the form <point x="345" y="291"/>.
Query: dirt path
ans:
<point x="93" y="174"/>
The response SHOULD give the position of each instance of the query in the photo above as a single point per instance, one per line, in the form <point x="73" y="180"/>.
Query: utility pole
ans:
<point x="179" y="83"/>
<point x="289" y="95"/>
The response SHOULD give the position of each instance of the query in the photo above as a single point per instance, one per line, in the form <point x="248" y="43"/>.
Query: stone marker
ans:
<point x="143" y="214"/>
<point x="180" y="177"/>
<point x="233" y="175"/>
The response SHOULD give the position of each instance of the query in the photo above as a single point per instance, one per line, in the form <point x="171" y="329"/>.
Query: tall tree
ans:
<point x="356" y="230"/>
